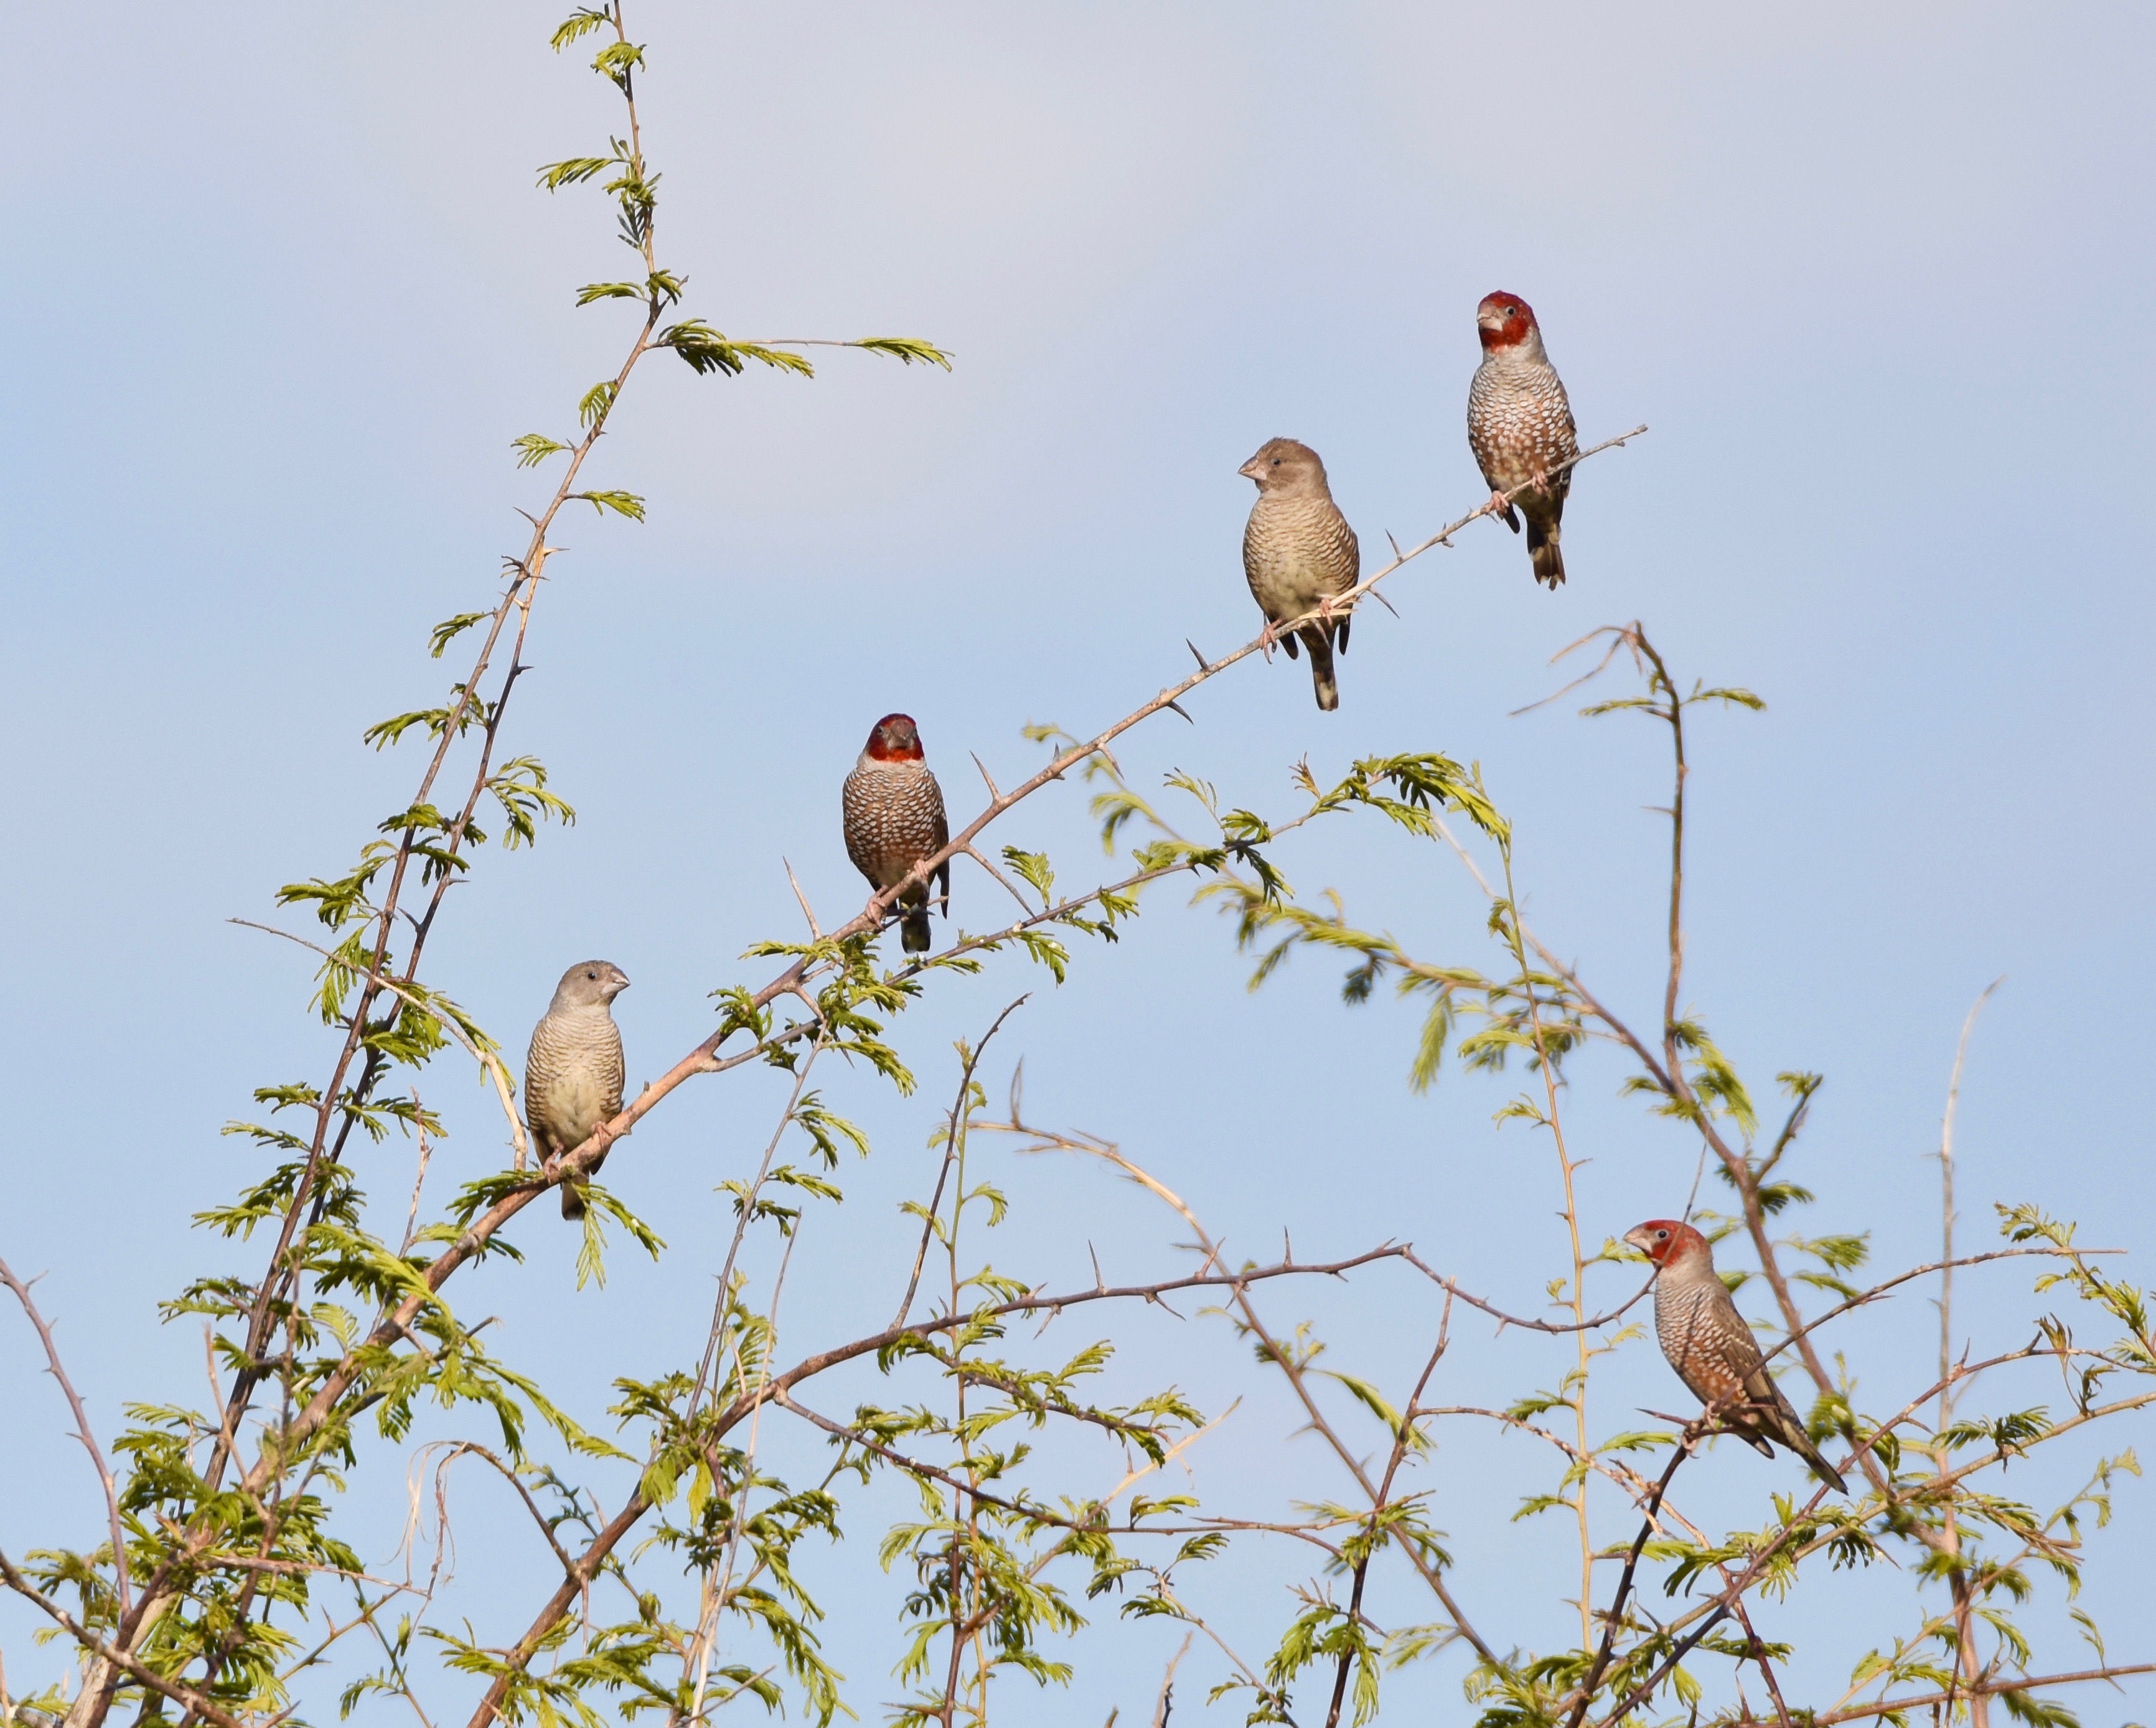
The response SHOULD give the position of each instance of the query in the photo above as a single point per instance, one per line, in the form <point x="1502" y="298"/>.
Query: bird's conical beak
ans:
<point x="1253" y="468"/>
<point x="1639" y="1239"/>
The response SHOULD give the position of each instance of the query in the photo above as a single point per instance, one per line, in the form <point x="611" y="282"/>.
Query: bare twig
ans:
<point x="1969" y="1664"/>
<point x="1947" y="1195"/>
<point x="54" y="1366"/>
<point x="1166" y="1701"/>
<point x="953" y="1136"/>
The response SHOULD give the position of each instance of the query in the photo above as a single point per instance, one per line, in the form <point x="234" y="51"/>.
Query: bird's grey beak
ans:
<point x="617" y="986"/>
<point x="1639" y="1239"/>
<point x="1253" y="468"/>
<point x="1494" y="319"/>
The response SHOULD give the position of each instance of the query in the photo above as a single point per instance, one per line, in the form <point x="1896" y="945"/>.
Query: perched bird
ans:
<point x="573" y="1072"/>
<point x="1708" y="1342"/>
<point x="1520" y="425"/>
<point x="894" y="811"/>
<point x="1298" y="553"/>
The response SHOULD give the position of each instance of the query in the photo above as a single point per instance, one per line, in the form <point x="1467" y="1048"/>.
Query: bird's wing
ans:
<point x="942" y="840"/>
<point x="614" y="1072"/>
<point x="1350" y="551"/>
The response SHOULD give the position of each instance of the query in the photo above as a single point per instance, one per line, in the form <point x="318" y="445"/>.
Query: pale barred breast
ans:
<point x="1519" y="421"/>
<point x="1704" y="1337"/>
<point x="573" y="1075"/>
<point x="894" y="816"/>
<point x="1296" y="552"/>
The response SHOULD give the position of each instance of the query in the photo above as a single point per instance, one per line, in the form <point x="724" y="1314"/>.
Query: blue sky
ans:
<point x="279" y="293"/>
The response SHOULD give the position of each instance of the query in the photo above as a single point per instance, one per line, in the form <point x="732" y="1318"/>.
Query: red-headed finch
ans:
<point x="1708" y="1342"/>
<point x="1298" y="554"/>
<point x="572" y="1072"/>
<point x="893" y="811"/>
<point x="1519" y="425"/>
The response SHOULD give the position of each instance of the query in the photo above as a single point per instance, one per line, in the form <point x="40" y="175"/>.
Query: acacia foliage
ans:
<point x="223" y="1590"/>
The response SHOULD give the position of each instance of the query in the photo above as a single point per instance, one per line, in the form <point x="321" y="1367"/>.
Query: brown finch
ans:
<point x="1298" y="554"/>
<point x="1519" y="425"/>
<point x="894" y="816"/>
<point x="572" y="1074"/>
<point x="1708" y="1342"/>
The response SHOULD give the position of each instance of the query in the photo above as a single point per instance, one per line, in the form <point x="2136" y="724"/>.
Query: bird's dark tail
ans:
<point x="1801" y="1443"/>
<point x="1785" y="1425"/>
<point x="1319" y="644"/>
<point x="913" y="929"/>
<point x="1543" y="549"/>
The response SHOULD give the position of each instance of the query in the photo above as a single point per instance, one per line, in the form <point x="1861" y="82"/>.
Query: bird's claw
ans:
<point x="1266" y="638"/>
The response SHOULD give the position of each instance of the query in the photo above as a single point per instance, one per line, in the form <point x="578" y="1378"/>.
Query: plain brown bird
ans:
<point x="1298" y="554"/>
<point x="893" y="811"/>
<point x="572" y="1074"/>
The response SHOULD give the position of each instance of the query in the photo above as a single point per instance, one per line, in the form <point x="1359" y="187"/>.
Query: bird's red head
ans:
<point x="895" y="739"/>
<point x="1503" y="321"/>
<point x="1666" y="1241"/>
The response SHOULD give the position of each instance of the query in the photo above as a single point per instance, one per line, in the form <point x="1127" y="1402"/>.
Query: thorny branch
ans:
<point x="394" y="1325"/>
<point x="382" y="982"/>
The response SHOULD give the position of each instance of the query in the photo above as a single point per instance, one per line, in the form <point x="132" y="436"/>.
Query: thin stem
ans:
<point x="1968" y="1670"/>
<point x="965" y="1504"/>
<point x="1552" y="1118"/>
<point x="961" y="1107"/>
<point x="1946" y="1196"/>
<point x="709" y="1640"/>
<point x="1615" y="1616"/>
<point x="82" y="1429"/>
<point x="1406" y="1434"/>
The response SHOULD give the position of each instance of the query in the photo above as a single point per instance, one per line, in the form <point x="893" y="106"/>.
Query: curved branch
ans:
<point x="54" y="1367"/>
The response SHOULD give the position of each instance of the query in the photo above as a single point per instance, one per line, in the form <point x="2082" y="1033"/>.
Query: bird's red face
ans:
<point x="1663" y="1240"/>
<point x="1503" y="320"/>
<point x="895" y="740"/>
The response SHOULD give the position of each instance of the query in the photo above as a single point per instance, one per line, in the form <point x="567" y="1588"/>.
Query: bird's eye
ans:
<point x="1661" y="1236"/>
<point x="593" y="977"/>
<point x="1276" y="462"/>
